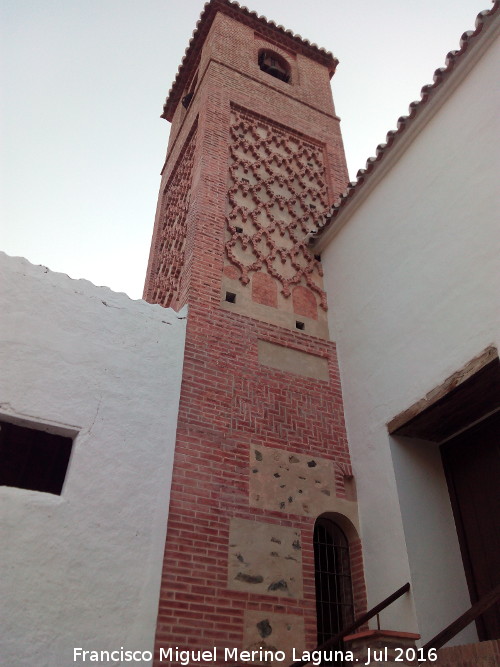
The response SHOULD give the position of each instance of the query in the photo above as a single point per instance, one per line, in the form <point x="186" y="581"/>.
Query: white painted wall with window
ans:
<point x="83" y="568"/>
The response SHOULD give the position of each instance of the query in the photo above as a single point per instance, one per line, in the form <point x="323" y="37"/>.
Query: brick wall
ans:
<point x="483" y="654"/>
<point x="231" y="403"/>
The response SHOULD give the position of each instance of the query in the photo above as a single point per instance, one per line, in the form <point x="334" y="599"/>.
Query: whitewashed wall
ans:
<point x="413" y="282"/>
<point x="83" y="569"/>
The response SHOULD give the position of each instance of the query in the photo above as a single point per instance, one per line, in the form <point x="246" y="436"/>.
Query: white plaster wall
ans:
<point x="413" y="282"/>
<point x="83" y="569"/>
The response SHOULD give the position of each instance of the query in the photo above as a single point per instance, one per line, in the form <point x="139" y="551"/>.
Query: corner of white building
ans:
<point x="83" y="568"/>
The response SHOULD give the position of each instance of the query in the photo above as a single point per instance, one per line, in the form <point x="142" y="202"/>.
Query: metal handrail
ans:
<point x="360" y="621"/>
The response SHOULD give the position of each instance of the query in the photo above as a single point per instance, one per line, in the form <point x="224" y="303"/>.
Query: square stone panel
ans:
<point x="293" y="361"/>
<point x="265" y="559"/>
<point x="274" y="632"/>
<point x="287" y="482"/>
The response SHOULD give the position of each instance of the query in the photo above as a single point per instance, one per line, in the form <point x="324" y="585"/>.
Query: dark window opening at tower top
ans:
<point x="275" y="65"/>
<point x="186" y="100"/>
<point x="334" y="599"/>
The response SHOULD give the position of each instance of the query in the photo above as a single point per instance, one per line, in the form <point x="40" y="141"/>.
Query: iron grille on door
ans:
<point x="334" y="603"/>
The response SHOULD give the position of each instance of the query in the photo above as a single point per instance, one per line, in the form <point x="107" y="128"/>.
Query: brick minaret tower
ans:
<point x="255" y="158"/>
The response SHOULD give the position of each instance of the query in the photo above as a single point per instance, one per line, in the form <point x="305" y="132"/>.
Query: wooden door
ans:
<point x="472" y="466"/>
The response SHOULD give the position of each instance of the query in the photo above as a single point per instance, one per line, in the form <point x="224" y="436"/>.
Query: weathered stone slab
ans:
<point x="265" y="558"/>
<point x="290" y="482"/>
<point x="293" y="361"/>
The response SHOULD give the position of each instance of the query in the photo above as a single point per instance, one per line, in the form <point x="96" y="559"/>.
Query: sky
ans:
<point x="83" y="84"/>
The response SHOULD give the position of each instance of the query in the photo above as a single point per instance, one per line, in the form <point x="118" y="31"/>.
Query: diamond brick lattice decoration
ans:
<point x="172" y="235"/>
<point x="277" y="195"/>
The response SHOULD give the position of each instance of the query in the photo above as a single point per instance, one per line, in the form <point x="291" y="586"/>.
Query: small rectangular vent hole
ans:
<point x="300" y="325"/>
<point x="230" y="297"/>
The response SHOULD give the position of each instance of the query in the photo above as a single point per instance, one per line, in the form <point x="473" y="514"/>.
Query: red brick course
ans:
<point x="304" y="302"/>
<point x="264" y="289"/>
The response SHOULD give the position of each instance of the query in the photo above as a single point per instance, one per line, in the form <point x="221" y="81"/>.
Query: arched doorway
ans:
<point x="334" y="598"/>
